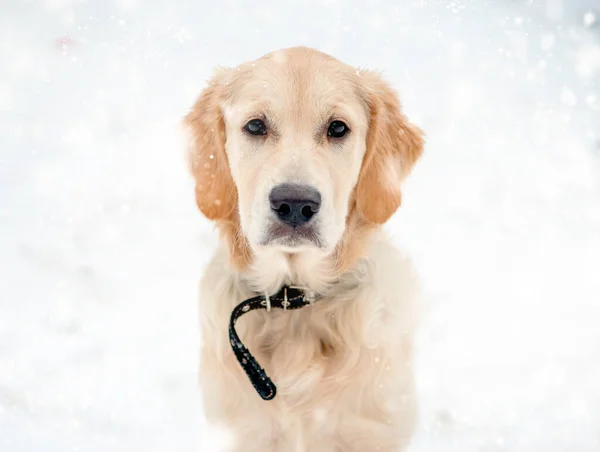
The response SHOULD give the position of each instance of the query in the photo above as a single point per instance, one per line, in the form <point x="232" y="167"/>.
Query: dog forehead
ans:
<point x="298" y="76"/>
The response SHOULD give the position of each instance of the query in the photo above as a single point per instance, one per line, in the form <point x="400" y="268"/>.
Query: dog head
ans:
<point x="291" y="149"/>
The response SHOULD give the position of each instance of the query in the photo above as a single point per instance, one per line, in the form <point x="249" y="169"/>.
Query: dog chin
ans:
<point x="292" y="244"/>
<point x="291" y="239"/>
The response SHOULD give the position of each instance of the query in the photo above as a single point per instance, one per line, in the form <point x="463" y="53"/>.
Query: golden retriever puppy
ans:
<point x="299" y="160"/>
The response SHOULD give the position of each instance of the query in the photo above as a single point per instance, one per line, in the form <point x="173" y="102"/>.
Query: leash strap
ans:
<point x="286" y="298"/>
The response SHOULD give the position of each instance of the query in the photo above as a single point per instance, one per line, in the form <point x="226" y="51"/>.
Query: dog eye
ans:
<point x="337" y="129"/>
<point x="256" y="127"/>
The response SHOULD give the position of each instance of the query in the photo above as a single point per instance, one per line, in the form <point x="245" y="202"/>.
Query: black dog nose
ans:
<point x="295" y="204"/>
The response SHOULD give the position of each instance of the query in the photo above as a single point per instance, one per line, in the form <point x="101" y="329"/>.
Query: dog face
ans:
<point x="296" y="137"/>
<point x="286" y="148"/>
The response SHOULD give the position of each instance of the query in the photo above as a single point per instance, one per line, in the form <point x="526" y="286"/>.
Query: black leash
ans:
<point x="286" y="298"/>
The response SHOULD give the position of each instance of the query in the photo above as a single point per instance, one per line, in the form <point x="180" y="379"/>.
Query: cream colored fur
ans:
<point x="342" y="366"/>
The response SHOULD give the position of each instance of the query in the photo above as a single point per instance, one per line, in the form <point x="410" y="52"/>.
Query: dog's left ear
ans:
<point x="216" y="194"/>
<point x="393" y="147"/>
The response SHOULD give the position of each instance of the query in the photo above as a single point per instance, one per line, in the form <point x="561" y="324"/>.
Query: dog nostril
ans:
<point x="284" y="209"/>
<point x="307" y="212"/>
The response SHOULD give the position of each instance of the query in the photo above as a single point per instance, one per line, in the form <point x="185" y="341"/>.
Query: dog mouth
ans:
<point x="292" y="236"/>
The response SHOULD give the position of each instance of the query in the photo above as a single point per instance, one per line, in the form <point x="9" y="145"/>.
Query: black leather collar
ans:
<point x="286" y="298"/>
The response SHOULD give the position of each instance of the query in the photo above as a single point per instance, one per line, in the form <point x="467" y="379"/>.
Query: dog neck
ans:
<point x="313" y="269"/>
<point x="272" y="269"/>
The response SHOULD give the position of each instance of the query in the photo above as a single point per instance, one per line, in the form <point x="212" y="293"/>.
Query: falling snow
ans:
<point x="589" y="19"/>
<point x="102" y="245"/>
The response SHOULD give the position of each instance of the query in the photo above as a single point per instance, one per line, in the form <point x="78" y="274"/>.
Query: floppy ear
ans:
<point x="393" y="146"/>
<point x="216" y="194"/>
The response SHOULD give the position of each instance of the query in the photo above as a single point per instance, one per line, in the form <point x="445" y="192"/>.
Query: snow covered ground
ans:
<point x="101" y="245"/>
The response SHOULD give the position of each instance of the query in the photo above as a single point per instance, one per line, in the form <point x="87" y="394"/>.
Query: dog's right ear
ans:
<point x="393" y="147"/>
<point x="216" y="194"/>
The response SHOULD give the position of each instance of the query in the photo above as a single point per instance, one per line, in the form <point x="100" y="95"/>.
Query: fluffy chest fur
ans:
<point x="341" y="361"/>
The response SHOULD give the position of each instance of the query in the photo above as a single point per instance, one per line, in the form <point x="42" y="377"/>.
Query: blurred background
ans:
<point x="101" y="245"/>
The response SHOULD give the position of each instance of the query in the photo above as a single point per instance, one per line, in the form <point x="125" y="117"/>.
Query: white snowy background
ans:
<point x="101" y="245"/>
